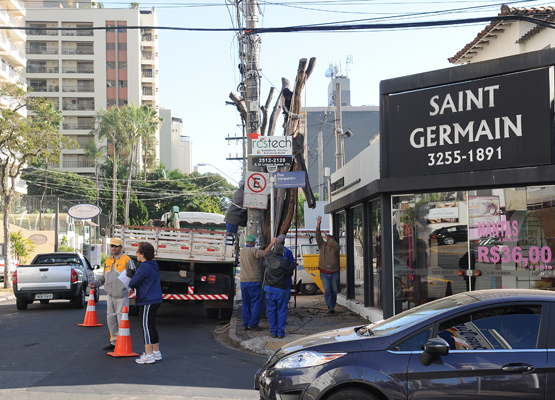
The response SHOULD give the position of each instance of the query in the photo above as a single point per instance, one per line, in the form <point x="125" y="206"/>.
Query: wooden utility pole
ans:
<point x="251" y="88"/>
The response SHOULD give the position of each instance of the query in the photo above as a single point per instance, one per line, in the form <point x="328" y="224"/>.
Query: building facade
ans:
<point x="12" y="42"/>
<point x="82" y="70"/>
<point x="457" y="192"/>
<point x="176" y="149"/>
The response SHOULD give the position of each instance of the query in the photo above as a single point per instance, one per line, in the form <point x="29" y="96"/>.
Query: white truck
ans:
<point x="196" y="257"/>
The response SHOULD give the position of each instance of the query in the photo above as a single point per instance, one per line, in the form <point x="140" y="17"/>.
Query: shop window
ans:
<point x="358" y="252"/>
<point x="376" y="297"/>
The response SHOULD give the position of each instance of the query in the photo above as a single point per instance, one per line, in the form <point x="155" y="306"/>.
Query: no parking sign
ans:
<point x="256" y="190"/>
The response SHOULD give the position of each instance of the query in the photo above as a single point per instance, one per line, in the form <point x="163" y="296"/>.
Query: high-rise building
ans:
<point x="82" y="70"/>
<point x="12" y="42"/>
<point x="176" y="149"/>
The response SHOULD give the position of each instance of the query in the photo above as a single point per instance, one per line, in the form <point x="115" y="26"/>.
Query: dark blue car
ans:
<point x="489" y="344"/>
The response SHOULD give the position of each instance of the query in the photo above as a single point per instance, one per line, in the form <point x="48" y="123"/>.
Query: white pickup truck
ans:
<point x="54" y="276"/>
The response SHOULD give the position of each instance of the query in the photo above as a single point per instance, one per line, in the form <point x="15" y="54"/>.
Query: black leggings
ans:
<point x="150" y="334"/>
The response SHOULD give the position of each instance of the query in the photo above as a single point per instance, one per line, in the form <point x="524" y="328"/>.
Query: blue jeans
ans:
<point x="330" y="283"/>
<point x="252" y="295"/>
<point x="276" y="307"/>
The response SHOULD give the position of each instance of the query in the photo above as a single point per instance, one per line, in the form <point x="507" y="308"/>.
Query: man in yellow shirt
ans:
<point x="117" y="293"/>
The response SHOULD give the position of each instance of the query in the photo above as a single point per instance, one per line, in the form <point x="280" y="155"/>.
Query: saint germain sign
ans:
<point x="491" y="123"/>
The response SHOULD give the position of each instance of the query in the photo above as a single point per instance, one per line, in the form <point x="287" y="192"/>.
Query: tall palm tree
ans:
<point x="108" y="125"/>
<point x="140" y="124"/>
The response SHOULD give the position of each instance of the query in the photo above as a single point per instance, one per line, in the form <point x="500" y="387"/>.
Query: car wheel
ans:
<point x="80" y="300"/>
<point x="21" y="304"/>
<point x="212" y="313"/>
<point x="398" y="288"/>
<point x="448" y="240"/>
<point x="309" y="288"/>
<point x="133" y="310"/>
<point x="352" y="394"/>
<point x="226" y="313"/>
<point x="44" y="301"/>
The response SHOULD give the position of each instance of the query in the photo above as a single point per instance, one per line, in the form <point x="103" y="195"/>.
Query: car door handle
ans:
<point x="518" y="368"/>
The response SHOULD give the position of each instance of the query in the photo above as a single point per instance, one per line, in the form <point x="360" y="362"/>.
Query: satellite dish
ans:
<point x="329" y="72"/>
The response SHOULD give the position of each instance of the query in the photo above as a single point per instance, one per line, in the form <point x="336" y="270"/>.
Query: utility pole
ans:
<point x="339" y="153"/>
<point x="251" y="95"/>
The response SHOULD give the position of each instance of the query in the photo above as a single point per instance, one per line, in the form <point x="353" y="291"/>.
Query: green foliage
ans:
<point x="21" y="246"/>
<point x="64" y="246"/>
<point x="103" y="258"/>
<point x="67" y="185"/>
<point x="138" y="212"/>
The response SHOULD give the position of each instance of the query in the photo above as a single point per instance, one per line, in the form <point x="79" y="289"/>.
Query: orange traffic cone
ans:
<point x="90" y="316"/>
<point x="123" y="342"/>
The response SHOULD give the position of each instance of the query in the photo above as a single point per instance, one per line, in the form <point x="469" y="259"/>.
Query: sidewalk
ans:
<point x="6" y="294"/>
<point x="309" y="317"/>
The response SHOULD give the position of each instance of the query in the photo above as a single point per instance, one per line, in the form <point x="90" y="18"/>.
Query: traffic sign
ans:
<point x="278" y="161"/>
<point x="257" y="183"/>
<point x="287" y="180"/>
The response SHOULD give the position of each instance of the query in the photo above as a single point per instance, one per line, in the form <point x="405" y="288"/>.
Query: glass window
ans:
<point x="122" y="65"/>
<point x="110" y="46"/>
<point x="110" y="83"/>
<point x="110" y="102"/>
<point x="377" y="268"/>
<point x="110" y="65"/>
<point x="122" y="46"/>
<point x="509" y="327"/>
<point x="415" y="342"/>
<point x="339" y="233"/>
<point x="122" y="84"/>
<point x="358" y="252"/>
<point x="428" y="247"/>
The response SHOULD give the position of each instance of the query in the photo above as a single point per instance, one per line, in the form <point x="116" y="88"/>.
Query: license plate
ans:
<point x="43" y="296"/>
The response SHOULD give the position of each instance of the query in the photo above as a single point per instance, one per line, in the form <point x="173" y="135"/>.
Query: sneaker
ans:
<point x="109" y="347"/>
<point x="255" y="328"/>
<point x="157" y="355"/>
<point x="274" y="336"/>
<point x="331" y="311"/>
<point x="145" y="359"/>
<point x="281" y="336"/>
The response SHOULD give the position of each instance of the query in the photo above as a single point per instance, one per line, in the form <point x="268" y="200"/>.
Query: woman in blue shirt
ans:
<point x="146" y="283"/>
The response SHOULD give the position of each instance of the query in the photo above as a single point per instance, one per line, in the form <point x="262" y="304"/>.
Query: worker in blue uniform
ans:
<point x="277" y="270"/>
<point x="289" y="255"/>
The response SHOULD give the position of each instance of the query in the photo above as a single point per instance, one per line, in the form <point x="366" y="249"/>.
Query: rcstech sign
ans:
<point x="500" y="122"/>
<point x="272" y="146"/>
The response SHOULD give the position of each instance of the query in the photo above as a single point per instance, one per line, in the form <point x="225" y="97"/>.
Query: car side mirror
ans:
<point x="433" y="348"/>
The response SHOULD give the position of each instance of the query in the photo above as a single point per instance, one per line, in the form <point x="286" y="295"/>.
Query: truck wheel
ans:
<point x="80" y="300"/>
<point x="226" y="313"/>
<point x="309" y="288"/>
<point x="212" y="313"/>
<point x="44" y="301"/>
<point x="133" y="310"/>
<point x="21" y="304"/>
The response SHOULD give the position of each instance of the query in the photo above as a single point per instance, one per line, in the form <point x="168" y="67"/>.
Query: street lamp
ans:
<point x="207" y="164"/>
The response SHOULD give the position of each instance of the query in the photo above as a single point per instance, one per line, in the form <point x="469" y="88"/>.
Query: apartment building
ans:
<point x="12" y="42"/>
<point x="81" y="69"/>
<point x="176" y="149"/>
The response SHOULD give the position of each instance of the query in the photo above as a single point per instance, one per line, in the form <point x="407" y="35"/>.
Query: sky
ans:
<point x="198" y="70"/>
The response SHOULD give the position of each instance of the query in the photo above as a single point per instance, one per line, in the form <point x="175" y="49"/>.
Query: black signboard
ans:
<point x="278" y="161"/>
<point x="492" y="123"/>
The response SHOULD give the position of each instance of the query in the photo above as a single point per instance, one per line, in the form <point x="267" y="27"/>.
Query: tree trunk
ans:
<point x="7" y="245"/>
<point x="277" y="108"/>
<point x="114" y="186"/>
<point x="128" y="188"/>
<point x="240" y="104"/>
<point x="265" y="112"/>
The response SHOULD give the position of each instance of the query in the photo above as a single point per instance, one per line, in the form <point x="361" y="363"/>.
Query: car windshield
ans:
<point x="418" y="314"/>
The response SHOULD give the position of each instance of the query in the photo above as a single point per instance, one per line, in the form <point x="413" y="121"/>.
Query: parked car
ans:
<point x="450" y="234"/>
<point x="53" y="276"/>
<point x="12" y="266"/>
<point x="492" y="343"/>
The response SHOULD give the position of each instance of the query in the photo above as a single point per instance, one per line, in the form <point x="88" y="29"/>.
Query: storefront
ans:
<point x="458" y="192"/>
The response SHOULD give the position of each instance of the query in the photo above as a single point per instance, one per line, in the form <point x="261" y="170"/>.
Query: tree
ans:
<point x="139" y="123"/>
<point x="95" y="153"/>
<point x="134" y="5"/>
<point x="21" y="246"/>
<point x="23" y="139"/>
<point x="108" y="125"/>
<point x="67" y="185"/>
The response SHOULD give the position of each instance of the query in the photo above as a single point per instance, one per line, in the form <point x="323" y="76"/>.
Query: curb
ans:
<point x="233" y="328"/>
<point x="6" y="298"/>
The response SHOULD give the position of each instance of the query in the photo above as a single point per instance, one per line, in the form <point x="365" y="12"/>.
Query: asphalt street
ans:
<point x="46" y="355"/>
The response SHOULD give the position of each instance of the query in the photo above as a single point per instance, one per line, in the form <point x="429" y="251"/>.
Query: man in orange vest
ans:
<point x="118" y="294"/>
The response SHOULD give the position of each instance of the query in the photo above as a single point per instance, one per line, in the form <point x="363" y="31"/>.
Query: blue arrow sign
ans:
<point x="286" y="180"/>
